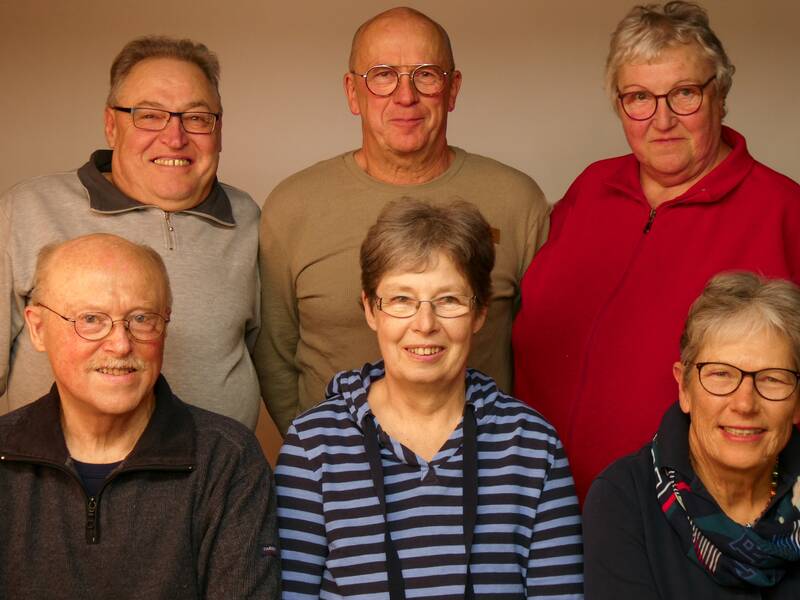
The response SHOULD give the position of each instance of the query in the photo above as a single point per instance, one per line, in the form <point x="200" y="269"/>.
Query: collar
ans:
<point x="105" y="197"/>
<point x="168" y="441"/>
<point x="673" y="447"/>
<point x="715" y="186"/>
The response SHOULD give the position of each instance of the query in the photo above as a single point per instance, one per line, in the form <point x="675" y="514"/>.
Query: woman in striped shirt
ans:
<point x="417" y="477"/>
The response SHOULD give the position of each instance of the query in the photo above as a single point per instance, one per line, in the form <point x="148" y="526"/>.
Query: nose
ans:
<point x="118" y="341"/>
<point x="746" y="399"/>
<point x="173" y="135"/>
<point x="405" y="92"/>
<point x="425" y="320"/>
<point x="663" y="118"/>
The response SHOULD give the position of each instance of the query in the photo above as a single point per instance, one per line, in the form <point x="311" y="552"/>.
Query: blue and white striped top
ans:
<point x="527" y="541"/>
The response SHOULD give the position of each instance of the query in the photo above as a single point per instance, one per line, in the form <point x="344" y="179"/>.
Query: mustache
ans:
<point x="132" y="362"/>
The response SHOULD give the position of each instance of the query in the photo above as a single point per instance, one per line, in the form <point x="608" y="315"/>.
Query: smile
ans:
<point x="425" y="350"/>
<point x="115" y="371"/>
<point x="172" y="162"/>
<point x="742" y="432"/>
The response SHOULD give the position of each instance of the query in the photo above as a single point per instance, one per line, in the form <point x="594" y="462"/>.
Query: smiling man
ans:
<point x="402" y="83"/>
<point x="110" y="486"/>
<point x="157" y="184"/>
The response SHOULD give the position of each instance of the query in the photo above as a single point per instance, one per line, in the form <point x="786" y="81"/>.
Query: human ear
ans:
<point x="35" y="322"/>
<point x="369" y="313"/>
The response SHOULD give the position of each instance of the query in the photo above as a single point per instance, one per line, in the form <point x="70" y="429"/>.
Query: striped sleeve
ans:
<point x="300" y="521"/>
<point x="555" y="562"/>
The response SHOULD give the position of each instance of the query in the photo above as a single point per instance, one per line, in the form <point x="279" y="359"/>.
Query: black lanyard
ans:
<point x="470" y="495"/>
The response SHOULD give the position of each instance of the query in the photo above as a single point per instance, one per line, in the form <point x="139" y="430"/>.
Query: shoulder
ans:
<point x="628" y="477"/>
<point x="318" y="175"/>
<point x="330" y="418"/>
<point x="222" y="439"/>
<point x="240" y="200"/>
<point x="502" y="174"/>
<point x="44" y="188"/>
<point x="774" y="183"/>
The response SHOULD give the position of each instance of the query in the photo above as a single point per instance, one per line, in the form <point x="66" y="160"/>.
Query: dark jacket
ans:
<point x="630" y="549"/>
<point x="190" y="513"/>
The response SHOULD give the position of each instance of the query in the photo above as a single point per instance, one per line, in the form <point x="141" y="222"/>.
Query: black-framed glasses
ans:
<point x="721" y="379"/>
<point x="683" y="100"/>
<point x="94" y="326"/>
<point x="156" y="119"/>
<point x="382" y="80"/>
<point x="448" y="307"/>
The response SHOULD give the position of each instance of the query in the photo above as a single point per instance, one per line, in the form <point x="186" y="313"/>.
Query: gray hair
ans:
<point x="154" y="46"/>
<point x="648" y="30"/>
<point x="748" y="302"/>
<point x="47" y="253"/>
<point x="409" y="233"/>
<point x="408" y="13"/>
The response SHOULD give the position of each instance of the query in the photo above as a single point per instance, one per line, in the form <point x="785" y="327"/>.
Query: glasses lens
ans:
<point x="92" y="326"/>
<point x="429" y="79"/>
<point x="399" y="306"/>
<point x="719" y="379"/>
<point x="381" y="81"/>
<point x="685" y="100"/>
<point x="451" y="306"/>
<point x="775" y="384"/>
<point x="638" y="105"/>
<point x="151" y="119"/>
<point x="146" y="326"/>
<point x="199" y="122"/>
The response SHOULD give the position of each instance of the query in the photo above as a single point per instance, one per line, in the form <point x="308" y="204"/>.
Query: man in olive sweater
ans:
<point x="402" y="83"/>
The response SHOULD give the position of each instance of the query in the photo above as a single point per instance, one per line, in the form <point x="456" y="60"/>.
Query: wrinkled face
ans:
<point x="112" y="376"/>
<point x="673" y="149"/>
<point x="406" y="122"/>
<point x="425" y="348"/>
<point x="741" y="432"/>
<point x="171" y="169"/>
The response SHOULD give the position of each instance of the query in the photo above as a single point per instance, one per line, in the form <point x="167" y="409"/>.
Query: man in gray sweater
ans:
<point x="110" y="486"/>
<point x="157" y="185"/>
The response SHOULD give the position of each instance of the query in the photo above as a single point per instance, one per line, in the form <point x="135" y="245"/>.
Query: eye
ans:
<point x="91" y="318"/>
<point x="401" y="300"/>
<point x="381" y="74"/>
<point x="145" y="114"/>
<point x="684" y="92"/>
<point x="449" y="301"/>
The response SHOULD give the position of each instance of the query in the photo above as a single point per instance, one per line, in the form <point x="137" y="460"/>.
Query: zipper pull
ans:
<point x="91" y="521"/>
<point x="650" y="220"/>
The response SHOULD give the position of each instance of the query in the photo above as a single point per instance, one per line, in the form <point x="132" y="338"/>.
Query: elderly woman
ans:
<point x="636" y="237"/>
<point x="417" y="477"/>
<point x="709" y="509"/>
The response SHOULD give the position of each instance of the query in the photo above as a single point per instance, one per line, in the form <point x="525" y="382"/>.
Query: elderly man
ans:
<point x="158" y="186"/>
<point x="110" y="486"/>
<point x="402" y="82"/>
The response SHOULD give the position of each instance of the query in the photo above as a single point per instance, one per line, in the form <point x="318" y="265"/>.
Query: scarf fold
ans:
<point x="732" y="554"/>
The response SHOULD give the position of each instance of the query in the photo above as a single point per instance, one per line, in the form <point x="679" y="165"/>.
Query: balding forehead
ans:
<point x="403" y="15"/>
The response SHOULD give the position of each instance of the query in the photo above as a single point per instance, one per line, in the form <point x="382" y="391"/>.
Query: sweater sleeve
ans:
<point x="11" y="320"/>
<point x="555" y="562"/>
<point x="238" y="554"/>
<point x="617" y="564"/>
<point x="280" y="328"/>
<point x="301" y="522"/>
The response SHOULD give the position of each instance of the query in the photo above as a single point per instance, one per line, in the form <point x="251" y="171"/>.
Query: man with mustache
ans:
<point x="110" y="486"/>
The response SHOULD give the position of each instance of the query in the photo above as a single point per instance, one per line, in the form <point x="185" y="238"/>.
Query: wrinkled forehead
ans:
<point x="159" y="78"/>
<point x="410" y="39"/>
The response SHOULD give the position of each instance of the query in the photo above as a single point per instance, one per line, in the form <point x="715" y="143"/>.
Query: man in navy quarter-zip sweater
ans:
<point x="157" y="185"/>
<point x="110" y="486"/>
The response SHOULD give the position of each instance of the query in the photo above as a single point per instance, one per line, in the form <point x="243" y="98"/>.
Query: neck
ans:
<point x="659" y="188"/>
<point x="420" y="417"/>
<point x="742" y="496"/>
<point x="100" y="439"/>
<point x="404" y="169"/>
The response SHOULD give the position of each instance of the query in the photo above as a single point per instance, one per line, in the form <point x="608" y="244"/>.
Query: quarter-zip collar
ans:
<point x="713" y="187"/>
<point x="168" y="441"/>
<point x="105" y="197"/>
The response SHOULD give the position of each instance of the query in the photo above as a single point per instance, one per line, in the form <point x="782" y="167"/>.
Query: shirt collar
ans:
<point x="105" y="197"/>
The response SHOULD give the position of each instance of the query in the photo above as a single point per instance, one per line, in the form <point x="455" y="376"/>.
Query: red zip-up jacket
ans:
<point x="605" y="299"/>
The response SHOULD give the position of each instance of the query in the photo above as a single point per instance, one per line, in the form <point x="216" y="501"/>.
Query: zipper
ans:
<point x="170" y="231"/>
<point x="650" y="220"/>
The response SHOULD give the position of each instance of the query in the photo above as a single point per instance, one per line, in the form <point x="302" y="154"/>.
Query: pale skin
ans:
<point x="674" y="151"/>
<point x="105" y="386"/>
<point x="403" y="135"/>
<point x="420" y="401"/>
<point x="734" y="440"/>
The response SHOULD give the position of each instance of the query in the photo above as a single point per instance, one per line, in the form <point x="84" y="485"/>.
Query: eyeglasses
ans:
<point x="382" y="80"/>
<point x="721" y="379"/>
<point x="682" y="100"/>
<point x="155" y="119"/>
<point x="94" y="326"/>
<point x="448" y="307"/>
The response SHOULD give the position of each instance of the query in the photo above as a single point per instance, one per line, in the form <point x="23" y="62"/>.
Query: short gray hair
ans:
<point x="747" y="301"/>
<point x="409" y="232"/>
<point x="649" y="29"/>
<point x="155" y="46"/>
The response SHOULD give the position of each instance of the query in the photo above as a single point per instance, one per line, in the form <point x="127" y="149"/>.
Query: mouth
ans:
<point x="425" y="350"/>
<point x="172" y="162"/>
<point x="742" y="433"/>
<point x="116" y="371"/>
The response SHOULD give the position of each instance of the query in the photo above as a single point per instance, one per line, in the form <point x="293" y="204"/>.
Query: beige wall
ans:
<point x="532" y="93"/>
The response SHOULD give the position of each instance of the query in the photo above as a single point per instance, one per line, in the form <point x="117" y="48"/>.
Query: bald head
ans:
<point x="402" y="16"/>
<point x="57" y="264"/>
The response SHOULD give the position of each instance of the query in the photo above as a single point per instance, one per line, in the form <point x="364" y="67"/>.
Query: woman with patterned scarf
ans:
<point x="709" y="508"/>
